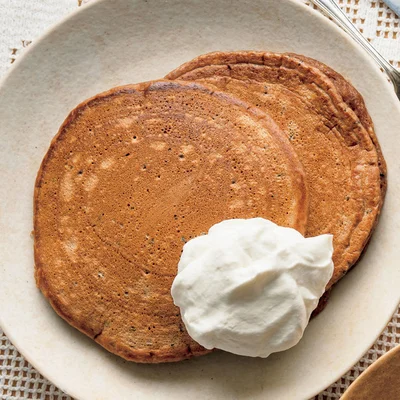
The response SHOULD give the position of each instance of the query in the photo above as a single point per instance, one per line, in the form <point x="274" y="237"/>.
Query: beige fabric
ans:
<point x="21" y="23"/>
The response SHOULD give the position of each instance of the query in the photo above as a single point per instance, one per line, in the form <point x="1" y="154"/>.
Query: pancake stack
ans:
<point x="137" y="171"/>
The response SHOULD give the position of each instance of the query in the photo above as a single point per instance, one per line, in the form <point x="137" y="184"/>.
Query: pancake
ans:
<point x="356" y="102"/>
<point x="345" y="170"/>
<point x="134" y="173"/>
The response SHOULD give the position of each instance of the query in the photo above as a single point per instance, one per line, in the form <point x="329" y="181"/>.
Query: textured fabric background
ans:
<point x="21" y="22"/>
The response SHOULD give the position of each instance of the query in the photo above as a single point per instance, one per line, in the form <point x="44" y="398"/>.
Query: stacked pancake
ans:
<point x="135" y="172"/>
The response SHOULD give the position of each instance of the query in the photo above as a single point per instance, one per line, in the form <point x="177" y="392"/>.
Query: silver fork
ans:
<point x="330" y="8"/>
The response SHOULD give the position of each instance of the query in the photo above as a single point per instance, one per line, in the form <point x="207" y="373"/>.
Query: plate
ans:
<point x="110" y="43"/>
<point x="379" y="381"/>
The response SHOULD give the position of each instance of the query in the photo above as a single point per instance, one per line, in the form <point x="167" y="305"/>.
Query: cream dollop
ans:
<point x="249" y="286"/>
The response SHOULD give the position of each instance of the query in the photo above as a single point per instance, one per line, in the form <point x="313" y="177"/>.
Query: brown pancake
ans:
<point x="340" y="160"/>
<point x="132" y="174"/>
<point x="355" y="101"/>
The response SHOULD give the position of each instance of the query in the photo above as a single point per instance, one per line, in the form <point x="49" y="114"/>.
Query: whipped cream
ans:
<point x="249" y="286"/>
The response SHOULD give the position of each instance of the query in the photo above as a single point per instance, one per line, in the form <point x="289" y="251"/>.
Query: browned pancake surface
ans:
<point x="131" y="176"/>
<point x="339" y="157"/>
<point x="355" y="101"/>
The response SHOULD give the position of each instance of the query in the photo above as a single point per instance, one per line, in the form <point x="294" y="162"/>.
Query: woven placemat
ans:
<point x="21" y="23"/>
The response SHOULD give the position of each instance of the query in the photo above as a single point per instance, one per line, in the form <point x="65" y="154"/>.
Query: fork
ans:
<point x="331" y="9"/>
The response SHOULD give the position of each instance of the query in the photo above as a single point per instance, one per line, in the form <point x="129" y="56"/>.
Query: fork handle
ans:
<point x="330" y="8"/>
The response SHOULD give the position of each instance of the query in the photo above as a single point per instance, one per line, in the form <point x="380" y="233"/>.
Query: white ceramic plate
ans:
<point x="111" y="43"/>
